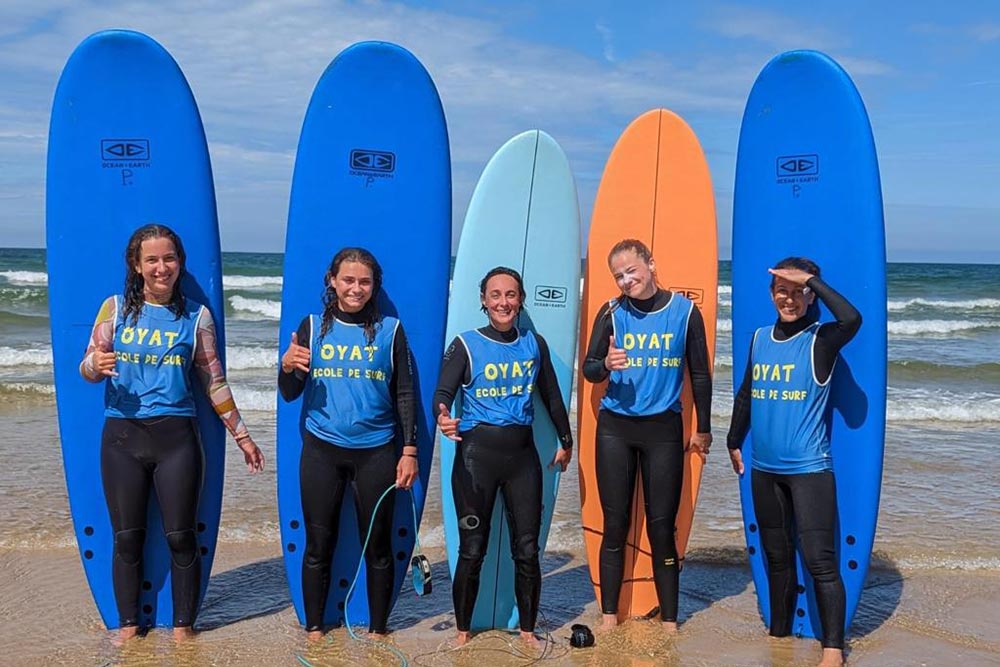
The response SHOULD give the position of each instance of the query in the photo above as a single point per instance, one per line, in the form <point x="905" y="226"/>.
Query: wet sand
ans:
<point x="924" y="617"/>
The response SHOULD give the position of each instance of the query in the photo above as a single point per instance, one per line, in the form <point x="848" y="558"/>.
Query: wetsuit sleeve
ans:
<point x="548" y="388"/>
<point x="208" y="366"/>
<point x="454" y="372"/>
<point x="832" y="336"/>
<point x="402" y="387"/>
<point x="740" y="422"/>
<point x="594" y="369"/>
<point x="696" y="353"/>
<point x="292" y="384"/>
<point x="101" y="340"/>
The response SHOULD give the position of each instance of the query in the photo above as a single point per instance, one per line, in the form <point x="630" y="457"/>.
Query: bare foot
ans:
<point x="124" y="634"/>
<point x="529" y="638"/>
<point x="608" y="622"/>
<point x="183" y="633"/>
<point x="670" y="627"/>
<point x="462" y="638"/>
<point x="378" y="636"/>
<point x="832" y="657"/>
<point x="314" y="635"/>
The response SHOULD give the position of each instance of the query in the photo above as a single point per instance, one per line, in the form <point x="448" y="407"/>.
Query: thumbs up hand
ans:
<point x="616" y="360"/>
<point x="296" y="357"/>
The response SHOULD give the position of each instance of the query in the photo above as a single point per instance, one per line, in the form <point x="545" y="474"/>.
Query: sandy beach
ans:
<point x="921" y="618"/>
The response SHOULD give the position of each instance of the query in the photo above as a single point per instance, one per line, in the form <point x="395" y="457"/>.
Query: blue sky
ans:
<point x="929" y="73"/>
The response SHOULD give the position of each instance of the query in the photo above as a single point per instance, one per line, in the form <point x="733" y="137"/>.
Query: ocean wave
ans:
<point x="29" y="389"/>
<point x="11" y="356"/>
<point x="245" y="358"/>
<point x="723" y="361"/>
<point x="725" y="289"/>
<point x="723" y="325"/>
<point x="251" y="282"/>
<point x="252" y="399"/>
<point x="270" y="310"/>
<point x="937" y="327"/>
<point x="25" y="277"/>
<point x="968" y="304"/>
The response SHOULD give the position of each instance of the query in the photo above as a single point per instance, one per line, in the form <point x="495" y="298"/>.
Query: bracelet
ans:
<point x="242" y="436"/>
<point x="413" y="455"/>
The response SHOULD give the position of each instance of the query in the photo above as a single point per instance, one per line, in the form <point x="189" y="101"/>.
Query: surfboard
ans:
<point x="372" y="170"/>
<point x="807" y="184"/>
<point x="656" y="188"/>
<point x="125" y="138"/>
<point x="523" y="214"/>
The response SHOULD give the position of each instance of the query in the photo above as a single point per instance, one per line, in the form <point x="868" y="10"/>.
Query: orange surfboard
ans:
<point x="656" y="188"/>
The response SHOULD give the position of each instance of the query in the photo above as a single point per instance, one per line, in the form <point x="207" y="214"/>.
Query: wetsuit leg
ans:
<point x="474" y="482"/>
<point x="617" y="463"/>
<point x="126" y="480"/>
<point x="522" y="496"/>
<point x="375" y="472"/>
<point x="322" y="482"/>
<point x="814" y="500"/>
<point x="177" y="478"/>
<point x="661" y="460"/>
<point x="773" y="505"/>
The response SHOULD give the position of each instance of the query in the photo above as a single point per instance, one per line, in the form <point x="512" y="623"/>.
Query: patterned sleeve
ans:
<point x="101" y="340"/>
<point x="208" y="366"/>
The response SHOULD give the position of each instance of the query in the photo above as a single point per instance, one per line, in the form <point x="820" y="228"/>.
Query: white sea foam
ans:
<point x="253" y="399"/>
<point x="242" y="358"/>
<point x="937" y="327"/>
<point x="251" y="282"/>
<point x="969" y="304"/>
<point x="25" y="277"/>
<point x="10" y="356"/>
<point x="270" y="310"/>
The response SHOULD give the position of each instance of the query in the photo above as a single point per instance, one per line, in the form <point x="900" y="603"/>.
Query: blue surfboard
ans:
<point x="372" y="170"/>
<point x="126" y="147"/>
<point x="524" y="215"/>
<point x="807" y="184"/>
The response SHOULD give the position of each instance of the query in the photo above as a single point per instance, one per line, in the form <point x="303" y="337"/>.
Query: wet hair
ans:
<point x="800" y="263"/>
<point x="501" y="271"/>
<point x="371" y="317"/>
<point x="133" y="296"/>
<point x="637" y="246"/>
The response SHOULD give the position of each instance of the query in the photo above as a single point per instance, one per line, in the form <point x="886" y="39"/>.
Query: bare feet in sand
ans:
<point x="670" y="627"/>
<point x="125" y="634"/>
<point x="183" y="634"/>
<point x="832" y="657"/>
<point x="529" y="638"/>
<point x="314" y="635"/>
<point x="608" y="622"/>
<point x="378" y="636"/>
<point x="462" y="638"/>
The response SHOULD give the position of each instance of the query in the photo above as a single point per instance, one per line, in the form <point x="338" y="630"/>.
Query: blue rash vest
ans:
<point x="788" y="418"/>
<point x="347" y="399"/>
<point x="503" y="377"/>
<point x="655" y="343"/>
<point x="153" y="360"/>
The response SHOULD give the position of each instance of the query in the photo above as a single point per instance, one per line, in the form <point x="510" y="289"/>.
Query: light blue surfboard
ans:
<point x="372" y="170"/>
<point x="126" y="147"/>
<point x="807" y="184"/>
<point x="524" y="215"/>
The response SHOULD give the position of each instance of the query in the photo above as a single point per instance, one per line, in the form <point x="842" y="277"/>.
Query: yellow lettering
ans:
<point x="128" y="335"/>
<point x="326" y="352"/>
<point x="788" y="368"/>
<point x="171" y="335"/>
<point x="515" y="371"/>
<point x="667" y="337"/>
<point x="641" y="338"/>
<point x="503" y="370"/>
<point x="150" y="359"/>
<point x="756" y="371"/>
<point x="775" y="373"/>
<point x="355" y="353"/>
<point x="654" y="342"/>
<point x="142" y="334"/>
<point x="491" y="372"/>
<point x="629" y="341"/>
<point x="155" y="338"/>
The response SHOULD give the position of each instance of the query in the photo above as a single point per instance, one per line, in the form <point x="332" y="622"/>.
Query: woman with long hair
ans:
<point x="144" y="344"/>
<point x="353" y="363"/>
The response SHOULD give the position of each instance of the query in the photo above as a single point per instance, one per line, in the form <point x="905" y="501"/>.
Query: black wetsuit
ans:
<point x="653" y="444"/>
<point x="164" y="452"/>
<point x="805" y="502"/>
<point x="327" y="470"/>
<point x="489" y="458"/>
